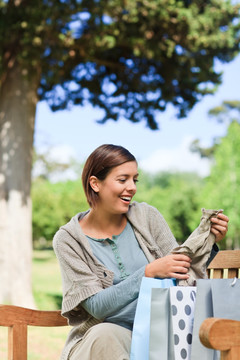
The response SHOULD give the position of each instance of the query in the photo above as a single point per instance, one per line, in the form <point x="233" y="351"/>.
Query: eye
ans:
<point x="121" y="180"/>
<point x="136" y="180"/>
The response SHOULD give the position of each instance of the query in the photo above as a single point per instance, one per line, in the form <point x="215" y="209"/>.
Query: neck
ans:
<point x="99" y="225"/>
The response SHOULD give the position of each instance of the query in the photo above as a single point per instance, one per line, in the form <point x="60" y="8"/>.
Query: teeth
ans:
<point x="126" y="198"/>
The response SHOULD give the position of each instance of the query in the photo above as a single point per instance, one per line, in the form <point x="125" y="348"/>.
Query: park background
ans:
<point x="186" y="164"/>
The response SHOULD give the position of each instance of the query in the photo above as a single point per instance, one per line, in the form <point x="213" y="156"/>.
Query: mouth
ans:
<point x="126" y="199"/>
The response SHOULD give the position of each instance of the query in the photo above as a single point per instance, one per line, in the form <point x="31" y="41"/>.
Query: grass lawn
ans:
<point x="43" y="343"/>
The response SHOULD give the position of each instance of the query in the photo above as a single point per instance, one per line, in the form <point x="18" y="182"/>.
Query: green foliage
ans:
<point x="176" y="196"/>
<point x="222" y="189"/>
<point x="128" y="58"/>
<point x="49" y="167"/>
<point x="204" y="152"/>
<point x="226" y="112"/>
<point x="53" y="206"/>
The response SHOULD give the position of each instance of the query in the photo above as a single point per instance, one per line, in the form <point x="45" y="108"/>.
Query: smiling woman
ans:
<point x="99" y="164"/>
<point x="106" y="251"/>
<point x="115" y="192"/>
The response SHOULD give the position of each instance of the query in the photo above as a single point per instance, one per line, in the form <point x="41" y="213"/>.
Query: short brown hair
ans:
<point x="99" y="163"/>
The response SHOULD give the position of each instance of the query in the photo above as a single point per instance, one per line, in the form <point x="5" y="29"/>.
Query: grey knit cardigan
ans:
<point x="83" y="275"/>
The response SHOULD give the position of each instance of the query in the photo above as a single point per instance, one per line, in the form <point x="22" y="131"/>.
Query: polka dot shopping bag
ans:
<point x="171" y="324"/>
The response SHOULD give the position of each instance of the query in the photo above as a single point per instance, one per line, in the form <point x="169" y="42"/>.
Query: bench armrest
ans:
<point x="223" y="335"/>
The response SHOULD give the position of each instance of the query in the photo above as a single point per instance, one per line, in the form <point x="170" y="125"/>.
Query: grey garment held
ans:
<point x="198" y="247"/>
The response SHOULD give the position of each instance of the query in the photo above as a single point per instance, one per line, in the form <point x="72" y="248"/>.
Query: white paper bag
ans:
<point x="171" y="325"/>
<point x="182" y="301"/>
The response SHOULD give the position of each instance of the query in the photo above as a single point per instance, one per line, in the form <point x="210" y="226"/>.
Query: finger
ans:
<point x="181" y="270"/>
<point x="182" y="257"/>
<point x="223" y="217"/>
<point x="219" y="221"/>
<point x="183" y="264"/>
<point x="214" y="231"/>
<point x="222" y="229"/>
<point x="219" y="227"/>
<point x="218" y="235"/>
<point x="179" y="276"/>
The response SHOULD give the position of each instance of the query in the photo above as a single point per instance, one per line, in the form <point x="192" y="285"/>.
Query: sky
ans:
<point x="76" y="133"/>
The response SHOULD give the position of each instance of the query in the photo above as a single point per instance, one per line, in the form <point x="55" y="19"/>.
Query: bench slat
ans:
<point x="10" y="315"/>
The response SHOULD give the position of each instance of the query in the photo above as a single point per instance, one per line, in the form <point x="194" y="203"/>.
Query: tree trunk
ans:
<point x="18" y="99"/>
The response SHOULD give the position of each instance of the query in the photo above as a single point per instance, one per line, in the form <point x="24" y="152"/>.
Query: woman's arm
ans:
<point x="110" y="300"/>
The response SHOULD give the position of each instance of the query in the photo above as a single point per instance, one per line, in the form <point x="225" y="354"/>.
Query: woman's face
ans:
<point x="116" y="191"/>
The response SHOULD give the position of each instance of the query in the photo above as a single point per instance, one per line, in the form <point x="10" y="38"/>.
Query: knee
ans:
<point x="104" y="341"/>
<point x="111" y="336"/>
<point x="106" y="332"/>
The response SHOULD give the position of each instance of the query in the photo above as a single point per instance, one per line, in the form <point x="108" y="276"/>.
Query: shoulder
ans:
<point x="68" y="233"/>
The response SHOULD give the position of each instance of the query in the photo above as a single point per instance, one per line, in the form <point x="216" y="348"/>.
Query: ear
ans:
<point x="94" y="183"/>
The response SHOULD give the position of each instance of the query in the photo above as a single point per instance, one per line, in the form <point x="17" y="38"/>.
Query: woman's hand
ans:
<point x="219" y="226"/>
<point x="170" y="266"/>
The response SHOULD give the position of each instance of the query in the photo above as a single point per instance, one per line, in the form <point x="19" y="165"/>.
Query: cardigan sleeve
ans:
<point x="78" y="280"/>
<point x="108" y="301"/>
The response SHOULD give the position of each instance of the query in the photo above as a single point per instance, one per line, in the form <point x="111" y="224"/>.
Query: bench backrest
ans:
<point x="17" y="319"/>
<point x="225" y="265"/>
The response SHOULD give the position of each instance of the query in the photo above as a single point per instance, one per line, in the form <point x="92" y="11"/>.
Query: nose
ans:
<point x="131" y="186"/>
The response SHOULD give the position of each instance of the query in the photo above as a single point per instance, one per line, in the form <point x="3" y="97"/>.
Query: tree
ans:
<point x="128" y="58"/>
<point x="48" y="166"/>
<point x="223" y="184"/>
<point x="226" y="112"/>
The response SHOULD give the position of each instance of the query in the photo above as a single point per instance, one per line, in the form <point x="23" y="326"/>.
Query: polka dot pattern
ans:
<point x="182" y="306"/>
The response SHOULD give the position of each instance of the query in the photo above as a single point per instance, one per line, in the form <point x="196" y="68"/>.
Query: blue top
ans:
<point x="122" y="255"/>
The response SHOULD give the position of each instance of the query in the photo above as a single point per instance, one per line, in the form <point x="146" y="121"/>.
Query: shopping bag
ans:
<point x="182" y="301"/>
<point x="160" y="343"/>
<point x="141" y="326"/>
<point x="203" y="310"/>
<point x="225" y="298"/>
<point x="215" y="298"/>
<point x="171" y="323"/>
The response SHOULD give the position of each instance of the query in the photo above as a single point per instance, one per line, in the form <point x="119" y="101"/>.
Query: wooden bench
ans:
<point x="17" y="319"/>
<point x="225" y="264"/>
<point x="223" y="334"/>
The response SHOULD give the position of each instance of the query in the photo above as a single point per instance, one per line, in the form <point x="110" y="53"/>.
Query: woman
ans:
<point x="104" y="253"/>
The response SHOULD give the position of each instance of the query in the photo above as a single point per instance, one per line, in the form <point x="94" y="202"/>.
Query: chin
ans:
<point x="122" y="210"/>
<point x="125" y="210"/>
